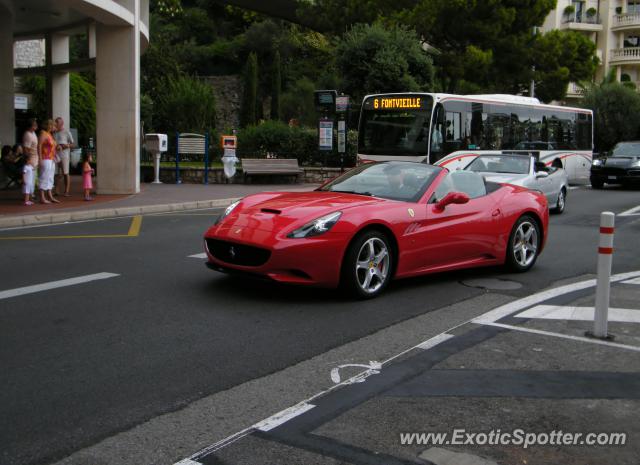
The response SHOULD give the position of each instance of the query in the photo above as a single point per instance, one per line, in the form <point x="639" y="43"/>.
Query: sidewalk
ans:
<point x="153" y="198"/>
<point x="525" y="366"/>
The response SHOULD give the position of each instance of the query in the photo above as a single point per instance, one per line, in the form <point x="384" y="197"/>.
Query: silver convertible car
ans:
<point x="524" y="170"/>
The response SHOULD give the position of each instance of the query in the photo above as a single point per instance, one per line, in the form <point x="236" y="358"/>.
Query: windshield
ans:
<point x="395" y="125"/>
<point x="405" y="181"/>
<point x="500" y="164"/>
<point x="627" y="149"/>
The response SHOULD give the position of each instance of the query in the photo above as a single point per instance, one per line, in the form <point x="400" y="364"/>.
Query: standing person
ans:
<point x="30" y="141"/>
<point x="65" y="142"/>
<point x="87" y="171"/>
<point x="47" y="152"/>
<point x="28" y="180"/>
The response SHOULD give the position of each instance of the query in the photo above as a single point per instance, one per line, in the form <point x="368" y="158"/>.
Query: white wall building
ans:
<point x="118" y="33"/>
<point x="613" y="25"/>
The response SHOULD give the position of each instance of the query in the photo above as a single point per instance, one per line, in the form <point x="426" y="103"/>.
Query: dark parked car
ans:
<point x="620" y="166"/>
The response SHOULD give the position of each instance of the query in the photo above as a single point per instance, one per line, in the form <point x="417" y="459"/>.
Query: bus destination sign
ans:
<point x="398" y="102"/>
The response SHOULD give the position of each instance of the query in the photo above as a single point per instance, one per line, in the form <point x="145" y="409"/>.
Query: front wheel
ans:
<point x="367" y="265"/>
<point x="524" y="244"/>
<point x="561" y="202"/>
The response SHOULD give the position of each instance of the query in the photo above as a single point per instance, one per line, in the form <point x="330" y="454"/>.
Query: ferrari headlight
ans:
<point x="228" y="211"/>
<point x="316" y="227"/>
<point x="597" y="162"/>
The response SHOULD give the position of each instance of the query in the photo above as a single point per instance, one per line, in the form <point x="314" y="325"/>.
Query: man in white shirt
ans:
<point x="65" y="142"/>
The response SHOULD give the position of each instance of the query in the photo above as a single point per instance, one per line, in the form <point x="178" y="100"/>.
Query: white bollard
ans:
<point x="605" y="257"/>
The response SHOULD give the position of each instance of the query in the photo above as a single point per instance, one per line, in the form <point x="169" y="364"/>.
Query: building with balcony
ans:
<point x="613" y="25"/>
<point x="117" y="33"/>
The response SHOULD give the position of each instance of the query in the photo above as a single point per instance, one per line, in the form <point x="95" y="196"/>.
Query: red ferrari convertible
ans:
<point x="377" y="222"/>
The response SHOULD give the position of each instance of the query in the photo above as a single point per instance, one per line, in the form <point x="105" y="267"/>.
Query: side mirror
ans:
<point x="542" y="174"/>
<point x="452" y="197"/>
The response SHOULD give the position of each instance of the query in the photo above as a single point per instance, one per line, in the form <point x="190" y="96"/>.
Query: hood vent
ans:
<point x="270" y="210"/>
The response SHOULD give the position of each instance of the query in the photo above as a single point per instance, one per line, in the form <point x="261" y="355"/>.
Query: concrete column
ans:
<point x="7" y="116"/>
<point x="60" y="98"/>
<point x="118" y="107"/>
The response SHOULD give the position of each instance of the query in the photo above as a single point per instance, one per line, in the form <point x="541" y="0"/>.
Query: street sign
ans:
<point x="325" y="134"/>
<point x="325" y="100"/>
<point x="342" y="103"/>
<point x="342" y="136"/>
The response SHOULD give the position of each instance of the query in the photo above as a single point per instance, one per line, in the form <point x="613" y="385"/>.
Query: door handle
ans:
<point x="496" y="212"/>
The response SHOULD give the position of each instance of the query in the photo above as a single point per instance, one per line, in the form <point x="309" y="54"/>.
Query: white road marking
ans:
<point x="434" y="341"/>
<point x="372" y="369"/>
<point x="488" y="318"/>
<point x="573" y="188"/>
<point x="632" y="281"/>
<point x="565" y="336"/>
<point x="283" y="416"/>
<point x="631" y="212"/>
<point x="188" y="462"/>
<point x="54" y="285"/>
<point x="557" y="312"/>
<point x="512" y="307"/>
<point x="198" y="255"/>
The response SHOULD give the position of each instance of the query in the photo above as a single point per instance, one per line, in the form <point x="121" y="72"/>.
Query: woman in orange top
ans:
<point x="47" y="152"/>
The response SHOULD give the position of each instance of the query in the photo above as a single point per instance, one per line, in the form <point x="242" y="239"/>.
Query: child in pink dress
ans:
<point x="87" y="171"/>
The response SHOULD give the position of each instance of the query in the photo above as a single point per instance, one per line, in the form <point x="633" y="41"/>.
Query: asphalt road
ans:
<point x="83" y="362"/>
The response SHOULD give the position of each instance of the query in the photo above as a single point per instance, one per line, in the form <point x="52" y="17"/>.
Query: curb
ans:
<point x="85" y="215"/>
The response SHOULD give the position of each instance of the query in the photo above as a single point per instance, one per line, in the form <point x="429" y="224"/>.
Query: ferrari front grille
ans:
<point x="237" y="254"/>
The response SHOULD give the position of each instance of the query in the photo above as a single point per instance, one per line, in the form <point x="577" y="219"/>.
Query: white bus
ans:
<point x="451" y="130"/>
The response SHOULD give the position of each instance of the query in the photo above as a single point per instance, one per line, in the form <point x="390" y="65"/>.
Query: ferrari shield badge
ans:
<point x="411" y="212"/>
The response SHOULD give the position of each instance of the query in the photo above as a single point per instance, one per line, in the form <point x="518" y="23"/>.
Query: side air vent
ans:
<point x="270" y="210"/>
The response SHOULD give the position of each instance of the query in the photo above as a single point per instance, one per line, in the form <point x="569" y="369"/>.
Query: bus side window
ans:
<point x="453" y="136"/>
<point x="437" y="135"/>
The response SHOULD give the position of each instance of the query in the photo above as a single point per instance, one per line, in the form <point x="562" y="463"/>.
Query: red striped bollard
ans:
<point x="605" y="257"/>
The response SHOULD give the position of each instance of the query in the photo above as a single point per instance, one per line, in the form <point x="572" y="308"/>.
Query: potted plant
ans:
<point x="618" y="10"/>
<point x="569" y="10"/>
<point x="591" y="12"/>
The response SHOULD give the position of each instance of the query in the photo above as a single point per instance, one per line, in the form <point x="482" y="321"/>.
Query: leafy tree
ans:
<point x="372" y="58"/>
<point x="277" y="87"/>
<point x="248" y="114"/>
<point x="187" y="105"/>
<point x="298" y="103"/>
<point x="489" y="45"/>
<point x="616" y="112"/>
<point x="82" y="99"/>
<point x="82" y="96"/>
<point x="562" y="57"/>
<point x="338" y="16"/>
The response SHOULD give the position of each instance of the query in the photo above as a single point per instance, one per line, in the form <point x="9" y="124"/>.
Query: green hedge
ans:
<point x="275" y="138"/>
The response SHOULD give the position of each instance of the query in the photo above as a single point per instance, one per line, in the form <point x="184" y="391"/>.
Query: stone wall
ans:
<point x="28" y="53"/>
<point x="228" y="93"/>
<point x="216" y="176"/>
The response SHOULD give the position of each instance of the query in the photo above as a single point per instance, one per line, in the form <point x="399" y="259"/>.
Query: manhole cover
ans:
<point x="494" y="284"/>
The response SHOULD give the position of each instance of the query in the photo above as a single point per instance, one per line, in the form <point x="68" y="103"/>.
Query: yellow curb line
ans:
<point x="134" y="231"/>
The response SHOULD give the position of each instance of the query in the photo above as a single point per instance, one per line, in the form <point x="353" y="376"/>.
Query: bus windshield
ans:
<point x="395" y="125"/>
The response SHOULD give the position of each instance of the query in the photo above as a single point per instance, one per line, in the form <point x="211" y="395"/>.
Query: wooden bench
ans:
<point x="270" y="166"/>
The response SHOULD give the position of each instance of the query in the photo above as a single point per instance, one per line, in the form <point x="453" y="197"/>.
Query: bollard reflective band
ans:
<point x="605" y="250"/>
<point x="605" y="230"/>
